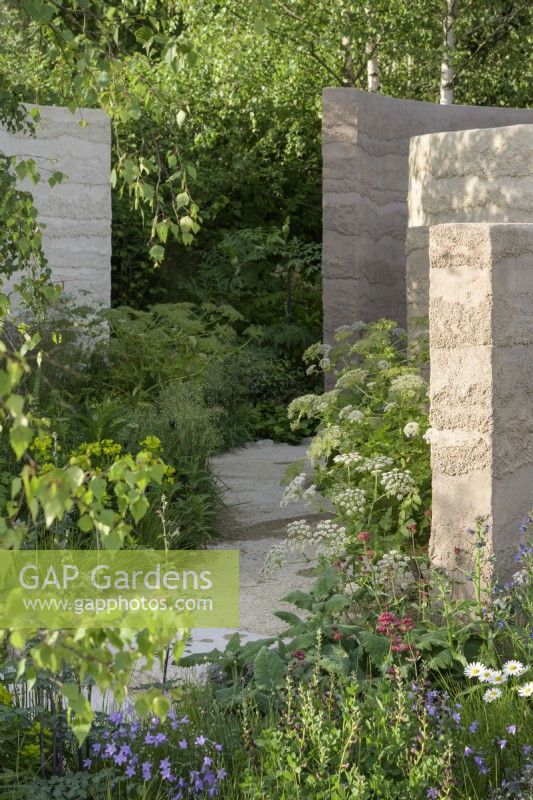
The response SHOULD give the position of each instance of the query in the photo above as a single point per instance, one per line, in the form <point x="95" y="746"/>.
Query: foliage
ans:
<point x="370" y="454"/>
<point x="337" y="742"/>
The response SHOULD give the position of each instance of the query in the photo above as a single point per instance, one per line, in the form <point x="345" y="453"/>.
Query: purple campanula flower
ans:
<point x="130" y="770"/>
<point x="432" y="793"/>
<point x="480" y="763"/>
<point x="200" y="740"/>
<point x="182" y="744"/>
<point x="502" y="743"/>
<point x="147" y="770"/>
<point x="468" y="751"/>
<point x="526" y="749"/>
<point x="96" y="747"/>
<point x="165" y="770"/>
<point x="87" y="763"/>
<point x="110" y="750"/>
<point x="511" y="729"/>
<point x="218" y="748"/>
<point x="116" y="717"/>
<point x="456" y="717"/>
<point x="473" y="726"/>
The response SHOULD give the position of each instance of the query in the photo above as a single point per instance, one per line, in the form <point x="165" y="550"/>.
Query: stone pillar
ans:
<point x="482" y="175"/>
<point x="481" y="346"/>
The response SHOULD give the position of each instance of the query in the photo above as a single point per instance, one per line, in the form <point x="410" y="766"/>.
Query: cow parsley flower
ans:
<point x="411" y="430"/>
<point x="294" y="491"/>
<point x="351" y="414"/>
<point x="350" y="501"/>
<point x="348" y="459"/>
<point x="408" y="387"/>
<point x="397" y="483"/>
<point x="375" y="464"/>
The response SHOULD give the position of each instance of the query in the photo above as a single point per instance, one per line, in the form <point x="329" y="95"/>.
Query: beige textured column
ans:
<point x="481" y="344"/>
<point x="482" y="175"/>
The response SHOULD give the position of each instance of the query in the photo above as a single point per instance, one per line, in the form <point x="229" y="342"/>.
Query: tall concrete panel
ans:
<point x="481" y="350"/>
<point x="77" y="212"/>
<point x="365" y="214"/>
<point x="483" y="175"/>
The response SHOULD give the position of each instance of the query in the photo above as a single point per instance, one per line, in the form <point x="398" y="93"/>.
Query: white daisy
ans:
<point x="498" y="677"/>
<point x="526" y="690"/>
<point x="486" y="675"/>
<point x="513" y="669"/>
<point x="491" y="695"/>
<point x="474" y="669"/>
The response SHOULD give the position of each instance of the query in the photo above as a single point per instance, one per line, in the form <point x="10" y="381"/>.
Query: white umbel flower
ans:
<point x="397" y="483"/>
<point x="293" y="492"/>
<point x="411" y="430"/>
<point x="350" y="501"/>
<point x="348" y="459"/>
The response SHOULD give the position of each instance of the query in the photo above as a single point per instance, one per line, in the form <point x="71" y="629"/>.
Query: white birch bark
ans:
<point x="372" y="64"/>
<point x="447" y="70"/>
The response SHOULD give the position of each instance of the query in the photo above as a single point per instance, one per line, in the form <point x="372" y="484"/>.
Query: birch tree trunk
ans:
<point x="447" y="70"/>
<point x="372" y="63"/>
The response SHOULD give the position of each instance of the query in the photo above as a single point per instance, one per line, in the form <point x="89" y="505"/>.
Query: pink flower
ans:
<point x="363" y="536"/>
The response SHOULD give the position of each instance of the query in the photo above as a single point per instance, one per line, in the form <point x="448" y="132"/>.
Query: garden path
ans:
<point x="251" y="522"/>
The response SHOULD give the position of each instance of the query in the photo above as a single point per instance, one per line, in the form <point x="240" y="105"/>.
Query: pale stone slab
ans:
<point x="481" y="347"/>
<point x="482" y="175"/>
<point x="365" y="179"/>
<point x="77" y="212"/>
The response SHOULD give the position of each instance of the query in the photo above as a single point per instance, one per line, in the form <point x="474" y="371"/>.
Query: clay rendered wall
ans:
<point x="76" y="212"/>
<point x="365" y="186"/>
<point x="481" y="349"/>
<point x="483" y="175"/>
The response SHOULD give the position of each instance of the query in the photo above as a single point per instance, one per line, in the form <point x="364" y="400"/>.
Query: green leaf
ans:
<point x="40" y="12"/>
<point x="157" y="252"/>
<point x="325" y="583"/>
<point x="299" y="599"/>
<point x="269" y="670"/>
<point x="20" y="437"/>
<point x="288" y="617"/>
<point x="377" y="647"/>
<point x="442" y="660"/>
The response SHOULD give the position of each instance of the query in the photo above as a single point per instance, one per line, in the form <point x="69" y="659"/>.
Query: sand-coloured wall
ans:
<point x="481" y="347"/>
<point x="365" y="214"/>
<point x="483" y="175"/>
<point x="76" y="212"/>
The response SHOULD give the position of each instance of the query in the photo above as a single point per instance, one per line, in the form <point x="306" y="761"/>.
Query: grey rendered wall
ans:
<point x="77" y="212"/>
<point x="365" y="182"/>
